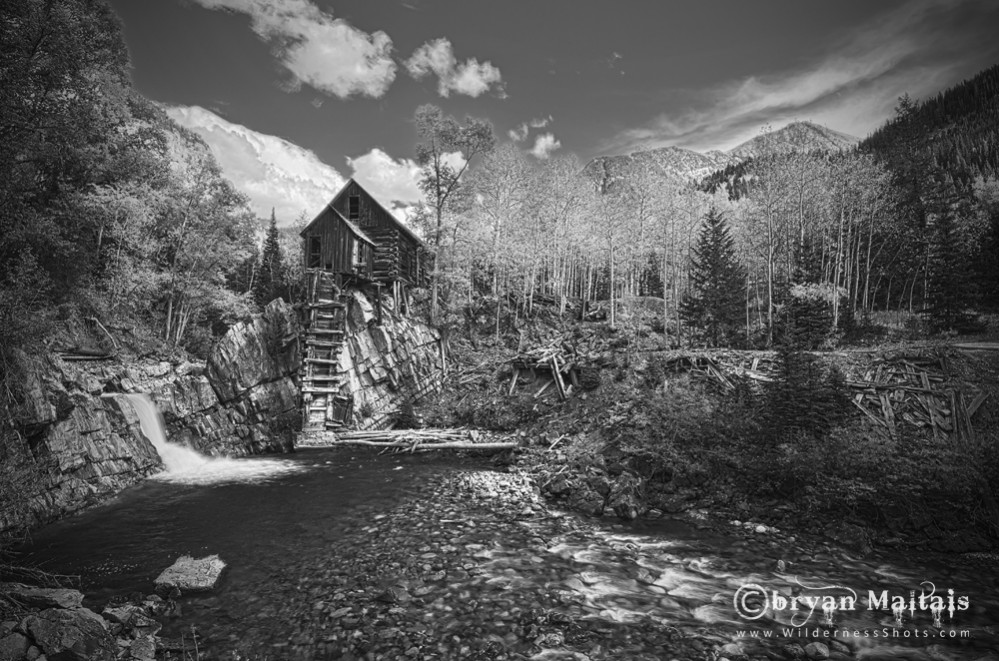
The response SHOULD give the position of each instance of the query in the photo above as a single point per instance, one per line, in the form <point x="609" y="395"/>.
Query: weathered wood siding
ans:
<point x="336" y="247"/>
<point x="397" y="255"/>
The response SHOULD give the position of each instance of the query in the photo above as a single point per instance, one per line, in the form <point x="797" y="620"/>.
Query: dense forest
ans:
<point x="907" y="222"/>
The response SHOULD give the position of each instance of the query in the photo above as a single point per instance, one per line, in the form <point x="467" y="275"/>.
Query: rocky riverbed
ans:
<point x="435" y="558"/>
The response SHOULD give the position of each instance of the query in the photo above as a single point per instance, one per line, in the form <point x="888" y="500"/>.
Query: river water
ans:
<point x="340" y="554"/>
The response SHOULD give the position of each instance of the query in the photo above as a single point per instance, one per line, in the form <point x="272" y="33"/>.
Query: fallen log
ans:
<point x="420" y="445"/>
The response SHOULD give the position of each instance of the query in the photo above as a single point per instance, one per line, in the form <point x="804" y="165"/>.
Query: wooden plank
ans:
<point x="888" y="413"/>
<point x="557" y="377"/>
<point x="965" y="417"/>
<point x="955" y="416"/>
<point x="513" y="381"/>
<point x="545" y="387"/>
<point x="976" y="403"/>
<point x="322" y="361"/>
<point x="870" y="415"/>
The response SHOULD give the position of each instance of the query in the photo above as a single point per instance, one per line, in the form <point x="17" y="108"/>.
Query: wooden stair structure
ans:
<point x="324" y="405"/>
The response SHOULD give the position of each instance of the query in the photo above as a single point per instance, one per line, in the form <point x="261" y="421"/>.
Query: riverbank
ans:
<point x="647" y="432"/>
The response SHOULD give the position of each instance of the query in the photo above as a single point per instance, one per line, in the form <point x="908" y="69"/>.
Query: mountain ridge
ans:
<point x="686" y="163"/>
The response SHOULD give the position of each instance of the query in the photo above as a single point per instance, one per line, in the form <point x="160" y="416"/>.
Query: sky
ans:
<point x="295" y="96"/>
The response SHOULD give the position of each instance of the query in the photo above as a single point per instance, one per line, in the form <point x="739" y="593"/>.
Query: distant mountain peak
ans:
<point x="662" y="161"/>
<point x="796" y="136"/>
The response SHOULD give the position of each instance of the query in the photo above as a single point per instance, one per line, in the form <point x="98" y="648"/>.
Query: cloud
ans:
<point x="326" y="53"/>
<point x="470" y="78"/>
<point x="544" y="145"/>
<point x="388" y="179"/>
<point x="519" y="134"/>
<point x="394" y="182"/>
<point x="851" y="88"/>
<point x="271" y="171"/>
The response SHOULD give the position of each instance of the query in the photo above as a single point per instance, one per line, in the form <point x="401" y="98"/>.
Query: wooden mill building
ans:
<point x="360" y="242"/>
<point x="354" y="241"/>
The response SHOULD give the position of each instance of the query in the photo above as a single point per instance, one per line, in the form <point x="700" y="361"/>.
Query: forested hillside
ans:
<point x="110" y="214"/>
<point x="955" y="133"/>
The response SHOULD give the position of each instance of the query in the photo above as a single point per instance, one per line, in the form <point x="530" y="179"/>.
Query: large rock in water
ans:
<point x="261" y="350"/>
<point x="191" y="575"/>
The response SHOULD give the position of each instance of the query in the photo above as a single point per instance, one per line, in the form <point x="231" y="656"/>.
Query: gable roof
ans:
<point x="402" y="226"/>
<point x="355" y="230"/>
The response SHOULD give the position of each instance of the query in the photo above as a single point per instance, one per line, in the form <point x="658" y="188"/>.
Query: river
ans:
<point x="344" y="554"/>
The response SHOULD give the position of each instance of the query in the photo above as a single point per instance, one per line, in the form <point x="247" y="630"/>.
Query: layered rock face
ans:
<point x="84" y="435"/>
<point x="387" y="364"/>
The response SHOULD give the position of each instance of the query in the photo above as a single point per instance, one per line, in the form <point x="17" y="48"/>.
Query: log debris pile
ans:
<point x="917" y="391"/>
<point x="723" y="367"/>
<point x="554" y="367"/>
<point x="416" y="440"/>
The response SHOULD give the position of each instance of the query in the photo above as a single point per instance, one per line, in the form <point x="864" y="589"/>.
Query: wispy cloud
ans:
<point x="327" y="53"/>
<point x="851" y="88"/>
<point x="519" y="134"/>
<point x="273" y="172"/>
<point x="544" y="145"/>
<point x="471" y="77"/>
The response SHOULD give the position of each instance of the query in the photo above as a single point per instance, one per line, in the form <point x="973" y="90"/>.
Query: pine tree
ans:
<point x="716" y="306"/>
<point x="949" y="292"/>
<point x="270" y="281"/>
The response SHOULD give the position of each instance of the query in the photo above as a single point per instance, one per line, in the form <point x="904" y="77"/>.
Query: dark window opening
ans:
<point x="353" y="207"/>
<point x="315" y="252"/>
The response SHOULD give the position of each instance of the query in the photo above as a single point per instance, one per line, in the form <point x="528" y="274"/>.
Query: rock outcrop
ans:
<point x="84" y="437"/>
<point x="387" y="364"/>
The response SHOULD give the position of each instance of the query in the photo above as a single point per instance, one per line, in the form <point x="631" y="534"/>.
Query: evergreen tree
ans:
<point x="270" y="281"/>
<point x="806" y="303"/>
<point x="716" y="306"/>
<point x="949" y="293"/>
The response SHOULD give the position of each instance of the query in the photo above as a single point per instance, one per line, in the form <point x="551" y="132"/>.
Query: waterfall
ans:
<point x="176" y="458"/>
<point x="187" y="466"/>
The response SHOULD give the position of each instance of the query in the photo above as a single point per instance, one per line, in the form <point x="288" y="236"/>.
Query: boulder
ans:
<point x="34" y="597"/>
<point x="13" y="647"/>
<point x="191" y="574"/>
<point x="142" y="648"/>
<point x="817" y="651"/>
<point x="732" y="651"/>
<point x="70" y="634"/>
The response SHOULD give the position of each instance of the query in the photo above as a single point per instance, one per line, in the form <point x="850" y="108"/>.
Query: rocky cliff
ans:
<point x="387" y="364"/>
<point x="83" y="437"/>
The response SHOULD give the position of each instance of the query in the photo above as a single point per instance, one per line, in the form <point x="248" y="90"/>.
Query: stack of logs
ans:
<point x="418" y="440"/>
